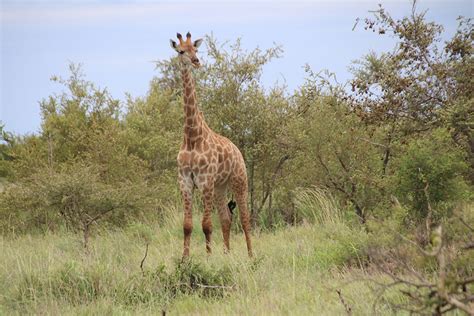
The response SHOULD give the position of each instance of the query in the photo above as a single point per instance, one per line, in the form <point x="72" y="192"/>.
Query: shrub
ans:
<point x="74" y="196"/>
<point x="78" y="284"/>
<point x="193" y="277"/>
<point x="433" y="162"/>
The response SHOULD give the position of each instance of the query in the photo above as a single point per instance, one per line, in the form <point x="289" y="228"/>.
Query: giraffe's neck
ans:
<point x="192" y="117"/>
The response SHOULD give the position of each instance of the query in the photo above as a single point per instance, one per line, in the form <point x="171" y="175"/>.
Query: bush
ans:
<point x="74" y="197"/>
<point x="433" y="162"/>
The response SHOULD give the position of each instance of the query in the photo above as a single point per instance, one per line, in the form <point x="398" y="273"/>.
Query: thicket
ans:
<point x="393" y="146"/>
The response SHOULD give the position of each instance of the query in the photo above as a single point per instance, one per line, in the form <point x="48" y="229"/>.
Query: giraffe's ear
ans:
<point x="198" y="43"/>
<point x="173" y="45"/>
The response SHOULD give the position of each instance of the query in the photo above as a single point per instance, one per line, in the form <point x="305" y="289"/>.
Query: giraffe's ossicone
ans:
<point x="207" y="161"/>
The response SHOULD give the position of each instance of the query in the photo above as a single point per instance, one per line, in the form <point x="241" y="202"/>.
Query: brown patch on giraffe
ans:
<point x="198" y="145"/>
<point x="208" y="156"/>
<point x="202" y="179"/>
<point x="193" y="133"/>
<point x="221" y="168"/>
<point x="188" y="144"/>
<point x="184" y="156"/>
<point x="227" y="165"/>
<point x="188" y="91"/>
<point x="189" y="113"/>
<point x="212" y="169"/>
<point x="202" y="161"/>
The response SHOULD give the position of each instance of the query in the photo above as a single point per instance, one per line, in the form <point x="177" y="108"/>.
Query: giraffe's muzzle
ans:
<point x="195" y="62"/>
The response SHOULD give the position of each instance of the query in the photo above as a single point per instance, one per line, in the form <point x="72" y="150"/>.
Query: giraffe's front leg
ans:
<point x="208" y="197"/>
<point x="187" y="193"/>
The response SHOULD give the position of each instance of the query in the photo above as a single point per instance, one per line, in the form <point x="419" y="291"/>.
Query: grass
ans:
<point x="296" y="271"/>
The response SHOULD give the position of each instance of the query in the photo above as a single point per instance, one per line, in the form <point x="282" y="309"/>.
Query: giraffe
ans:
<point x="207" y="161"/>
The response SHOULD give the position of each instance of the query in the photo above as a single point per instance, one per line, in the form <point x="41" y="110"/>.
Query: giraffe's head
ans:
<point x="187" y="50"/>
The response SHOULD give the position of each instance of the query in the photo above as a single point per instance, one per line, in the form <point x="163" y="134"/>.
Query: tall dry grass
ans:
<point x="317" y="205"/>
<point x="296" y="270"/>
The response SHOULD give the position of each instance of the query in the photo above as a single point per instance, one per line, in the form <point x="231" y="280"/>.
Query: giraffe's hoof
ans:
<point x="185" y="256"/>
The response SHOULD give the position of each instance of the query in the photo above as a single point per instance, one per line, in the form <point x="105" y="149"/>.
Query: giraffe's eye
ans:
<point x="181" y="52"/>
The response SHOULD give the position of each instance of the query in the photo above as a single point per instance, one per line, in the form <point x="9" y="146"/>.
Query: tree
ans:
<point x="80" y="167"/>
<point x="335" y="150"/>
<point x="6" y="142"/>
<point x="411" y="89"/>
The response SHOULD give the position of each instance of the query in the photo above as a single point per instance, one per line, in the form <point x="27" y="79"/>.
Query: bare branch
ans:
<point x="466" y="224"/>
<point x="143" y="260"/>
<point x="346" y="306"/>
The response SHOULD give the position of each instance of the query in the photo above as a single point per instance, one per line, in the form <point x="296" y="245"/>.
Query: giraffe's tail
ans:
<point x="231" y="205"/>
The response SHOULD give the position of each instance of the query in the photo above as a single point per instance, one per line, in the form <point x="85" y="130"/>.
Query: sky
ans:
<point x="117" y="41"/>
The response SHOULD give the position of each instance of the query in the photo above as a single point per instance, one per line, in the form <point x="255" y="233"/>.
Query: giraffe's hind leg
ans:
<point x="225" y="217"/>
<point x="239" y="187"/>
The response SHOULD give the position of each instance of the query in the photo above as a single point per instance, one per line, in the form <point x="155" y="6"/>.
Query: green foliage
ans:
<point x="75" y="196"/>
<point x="398" y="86"/>
<point x="6" y="143"/>
<point x="237" y="105"/>
<point x="77" y="123"/>
<point x="152" y="133"/>
<point x="433" y="162"/>
<point x="344" y="158"/>
<point x="80" y="169"/>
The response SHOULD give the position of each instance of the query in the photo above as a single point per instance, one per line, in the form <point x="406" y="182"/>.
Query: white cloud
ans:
<point x="47" y="12"/>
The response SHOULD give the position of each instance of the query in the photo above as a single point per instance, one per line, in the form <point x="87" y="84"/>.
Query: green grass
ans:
<point x="296" y="271"/>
